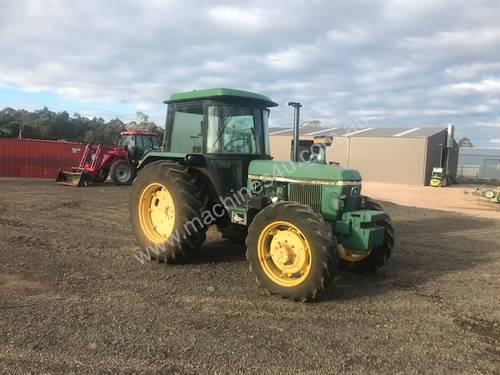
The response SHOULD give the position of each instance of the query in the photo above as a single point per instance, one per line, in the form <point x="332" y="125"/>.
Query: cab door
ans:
<point x="235" y="137"/>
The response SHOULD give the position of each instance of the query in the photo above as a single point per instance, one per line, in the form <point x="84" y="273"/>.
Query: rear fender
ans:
<point x="153" y="156"/>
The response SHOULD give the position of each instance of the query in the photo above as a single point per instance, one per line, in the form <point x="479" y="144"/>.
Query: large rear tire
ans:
<point x="376" y="257"/>
<point x="291" y="251"/>
<point x="122" y="172"/>
<point x="166" y="204"/>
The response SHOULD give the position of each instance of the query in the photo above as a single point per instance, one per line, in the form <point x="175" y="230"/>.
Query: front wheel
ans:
<point x="291" y="251"/>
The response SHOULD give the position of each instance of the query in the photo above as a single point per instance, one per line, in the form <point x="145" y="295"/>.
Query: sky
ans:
<point x="351" y="63"/>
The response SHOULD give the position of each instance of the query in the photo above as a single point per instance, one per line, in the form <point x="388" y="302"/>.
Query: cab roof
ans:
<point x="221" y="93"/>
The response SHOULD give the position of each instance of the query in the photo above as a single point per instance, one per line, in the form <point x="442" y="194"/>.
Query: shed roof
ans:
<point x="339" y="131"/>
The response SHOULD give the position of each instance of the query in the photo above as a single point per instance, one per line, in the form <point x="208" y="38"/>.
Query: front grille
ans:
<point x="309" y="195"/>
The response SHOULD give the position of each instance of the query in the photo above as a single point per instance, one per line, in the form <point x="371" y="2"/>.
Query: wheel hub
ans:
<point x="123" y="173"/>
<point x="287" y="251"/>
<point x="157" y="212"/>
<point x="284" y="253"/>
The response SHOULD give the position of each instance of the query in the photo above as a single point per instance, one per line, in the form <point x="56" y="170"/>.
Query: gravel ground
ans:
<point x="74" y="299"/>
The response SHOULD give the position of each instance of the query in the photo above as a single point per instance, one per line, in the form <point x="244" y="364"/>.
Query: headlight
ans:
<point x="355" y="191"/>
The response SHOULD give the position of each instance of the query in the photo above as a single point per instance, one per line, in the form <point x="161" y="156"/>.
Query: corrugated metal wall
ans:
<point x="390" y="159"/>
<point x="387" y="160"/>
<point x="37" y="158"/>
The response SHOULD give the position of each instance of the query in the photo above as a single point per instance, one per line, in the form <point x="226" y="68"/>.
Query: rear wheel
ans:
<point x="291" y="251"/>
<point x="374" y="258"/>
<point x="122" y="172"/>
<point x="166" y="203"/>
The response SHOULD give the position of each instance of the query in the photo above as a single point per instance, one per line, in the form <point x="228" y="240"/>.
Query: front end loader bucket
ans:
<point x="74" y="178"/>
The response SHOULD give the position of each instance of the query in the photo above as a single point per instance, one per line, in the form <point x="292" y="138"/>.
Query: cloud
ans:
<point x="293" y="58"/>
<point x="387" y="63"/>
<point x="472" y="70"/>
<point x="239" y="19"/>
<point x="485" y="86"/>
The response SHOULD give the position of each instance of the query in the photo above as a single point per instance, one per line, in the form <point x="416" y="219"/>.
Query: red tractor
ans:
<point x="118" y="162"/>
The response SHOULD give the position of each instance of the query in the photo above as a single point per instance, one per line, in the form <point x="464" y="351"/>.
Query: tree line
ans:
<point x="46" y="124"/>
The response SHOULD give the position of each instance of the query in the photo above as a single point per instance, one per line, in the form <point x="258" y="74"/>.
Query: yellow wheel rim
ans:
<point x="284" y="253"/>
<point x="156" y="212"/>
<point x="350" y="255"/>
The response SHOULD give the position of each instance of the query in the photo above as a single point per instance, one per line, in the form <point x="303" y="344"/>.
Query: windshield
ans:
<point x="235" y="130"/>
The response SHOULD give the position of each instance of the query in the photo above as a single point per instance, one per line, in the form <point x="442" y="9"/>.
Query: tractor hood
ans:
<point x="302" y="172"/>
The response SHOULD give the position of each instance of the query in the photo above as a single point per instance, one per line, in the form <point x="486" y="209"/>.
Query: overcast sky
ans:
<point x="365" y="63"/>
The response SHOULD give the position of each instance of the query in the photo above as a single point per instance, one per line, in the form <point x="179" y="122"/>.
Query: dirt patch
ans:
<point x="71" y="204"/>
<point x="16" y="283"/>
<point x="12" y="223"/>
<point x="487" y="329"/>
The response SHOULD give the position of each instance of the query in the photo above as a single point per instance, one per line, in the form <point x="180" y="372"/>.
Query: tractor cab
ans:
<point x="221" y="131"/>
<point x="138" y="143"/>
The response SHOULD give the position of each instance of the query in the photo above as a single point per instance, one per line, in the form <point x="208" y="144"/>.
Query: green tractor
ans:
<point x="300" y="221"/>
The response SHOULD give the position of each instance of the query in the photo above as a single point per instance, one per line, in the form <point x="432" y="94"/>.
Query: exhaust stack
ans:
<point x="296" y="123"/>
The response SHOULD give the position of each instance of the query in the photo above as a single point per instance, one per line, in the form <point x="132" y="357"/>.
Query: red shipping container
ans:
<point x="37" y="158"/>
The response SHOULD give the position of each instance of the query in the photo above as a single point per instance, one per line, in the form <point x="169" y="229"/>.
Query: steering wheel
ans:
<point x="230" y="147"/>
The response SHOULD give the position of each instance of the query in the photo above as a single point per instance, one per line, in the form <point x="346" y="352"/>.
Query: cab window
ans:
<point x="146" y="142"/>
<point x="186" y="127"/>
<point x="128" y="141"/>
<point x="155" y="141"/>
<point x="143" y="143"/>
<point x="234" y="130"/>
<point x="265" y="127"/>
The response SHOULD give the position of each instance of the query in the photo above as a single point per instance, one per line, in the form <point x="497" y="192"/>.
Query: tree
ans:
<point x="143" y="123"/>
<point x="142" y="117"/>
<point x="465" y="143"/>
<point x="46" y="124"/>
